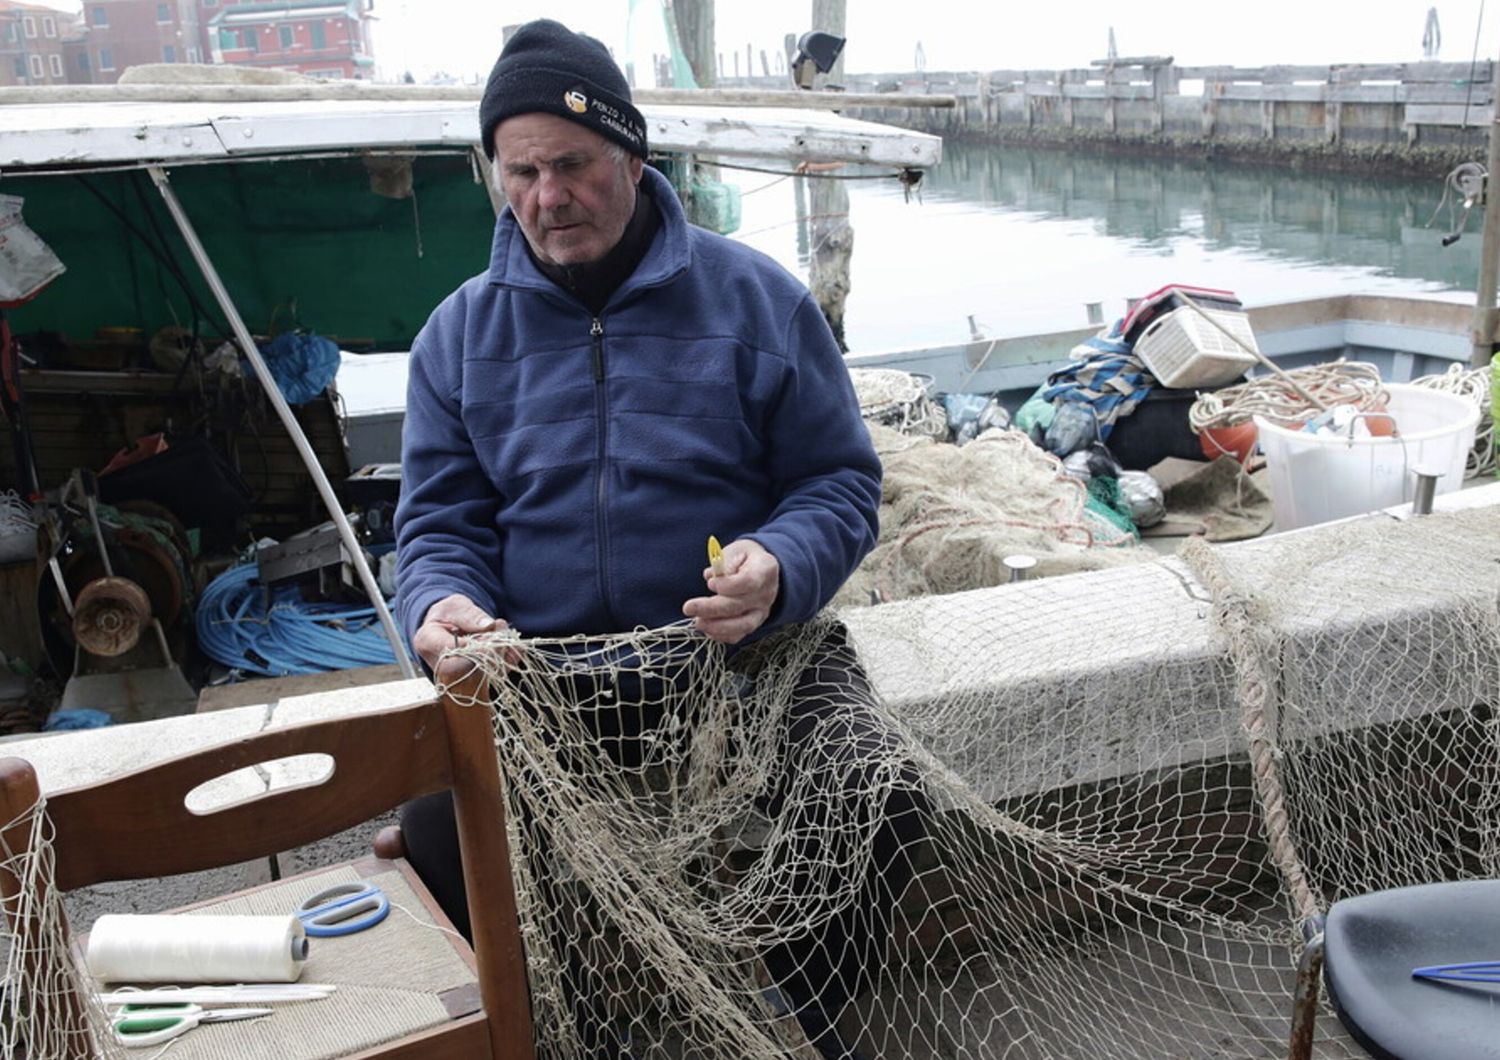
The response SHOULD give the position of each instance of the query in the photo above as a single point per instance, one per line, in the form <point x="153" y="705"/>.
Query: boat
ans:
<point x="1404" y="337"/>
<point x="1103" y="713"/>
<point x="192" y="217"/>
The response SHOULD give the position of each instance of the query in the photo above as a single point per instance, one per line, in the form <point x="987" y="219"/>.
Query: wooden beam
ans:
<point x="1450" y="115"/>
<point x="336" y="91"/>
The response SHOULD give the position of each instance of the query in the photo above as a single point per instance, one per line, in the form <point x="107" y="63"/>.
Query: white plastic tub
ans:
<point x="1315" y="479"/>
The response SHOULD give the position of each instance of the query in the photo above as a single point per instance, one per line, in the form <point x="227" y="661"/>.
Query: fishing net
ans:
<point x="951" y="515"/>
<point x="47" y="1011"/>
<point x="1080" y="817"/>
<point x="1077" y="818"/>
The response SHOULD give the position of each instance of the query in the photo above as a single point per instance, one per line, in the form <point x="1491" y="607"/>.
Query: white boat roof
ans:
<point x="45" y="135"/>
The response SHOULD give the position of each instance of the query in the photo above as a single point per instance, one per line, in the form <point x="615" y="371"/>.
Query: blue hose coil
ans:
<point x="295" y="637"/>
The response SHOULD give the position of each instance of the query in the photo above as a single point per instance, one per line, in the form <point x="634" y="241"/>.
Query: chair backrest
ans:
<point x="139" y="825"/>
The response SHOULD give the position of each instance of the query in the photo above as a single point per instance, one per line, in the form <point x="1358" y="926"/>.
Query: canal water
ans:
<point x="1022" y="239"/>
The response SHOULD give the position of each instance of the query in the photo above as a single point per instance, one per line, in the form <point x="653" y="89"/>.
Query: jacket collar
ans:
<point x="670" y="252"/>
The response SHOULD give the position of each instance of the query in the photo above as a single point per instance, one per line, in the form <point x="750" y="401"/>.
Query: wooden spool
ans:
<point x="110" y="615"/>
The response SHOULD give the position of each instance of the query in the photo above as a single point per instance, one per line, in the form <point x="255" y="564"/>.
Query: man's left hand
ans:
<point x="743" y="594"/>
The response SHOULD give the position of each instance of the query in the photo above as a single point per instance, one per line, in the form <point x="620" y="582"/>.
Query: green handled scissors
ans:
<point x="141" y="1025"/>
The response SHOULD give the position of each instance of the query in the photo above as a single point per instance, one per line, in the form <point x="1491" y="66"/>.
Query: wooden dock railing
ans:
<point x="1391" y="104"/>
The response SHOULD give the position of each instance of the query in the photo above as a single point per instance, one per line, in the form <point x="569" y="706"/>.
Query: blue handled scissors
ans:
<point x="140" y="1025"/>
<point x="343" y="909"/>
<point x="1467" y="972"/>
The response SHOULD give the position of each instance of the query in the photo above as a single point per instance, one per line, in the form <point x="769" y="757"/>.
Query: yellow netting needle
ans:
<point x="715" y="556"/>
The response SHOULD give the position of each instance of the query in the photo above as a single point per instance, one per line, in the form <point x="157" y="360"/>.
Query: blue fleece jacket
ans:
<point x="564" y="471"/>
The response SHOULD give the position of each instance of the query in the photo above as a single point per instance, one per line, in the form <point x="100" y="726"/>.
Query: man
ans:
<point x="616" y="387"/>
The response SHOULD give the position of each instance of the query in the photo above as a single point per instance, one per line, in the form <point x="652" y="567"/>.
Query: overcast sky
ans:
<point x="462" y="37"/>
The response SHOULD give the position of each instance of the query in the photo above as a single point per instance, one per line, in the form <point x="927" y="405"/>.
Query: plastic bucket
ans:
<point x="1236" y="440"/>
<point x="1315" y="479"/>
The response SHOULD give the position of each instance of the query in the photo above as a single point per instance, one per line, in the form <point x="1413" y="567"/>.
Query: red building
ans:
<point x="32" y="49"/>
<point x="125" y="33"/>
<point x="323" y="38"/>
<point x="320" y="38"/>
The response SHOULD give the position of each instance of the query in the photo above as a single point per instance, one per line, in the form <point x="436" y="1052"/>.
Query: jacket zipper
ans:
<point x="601" y="521"/>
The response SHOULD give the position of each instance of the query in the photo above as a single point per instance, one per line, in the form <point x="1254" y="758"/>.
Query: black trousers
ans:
<point x="843" y="752"/>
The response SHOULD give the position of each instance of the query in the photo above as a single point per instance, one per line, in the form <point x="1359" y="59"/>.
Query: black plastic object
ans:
<point x="816" y="53"/>
<point x="1156" y="429"/>
<point x="1372" y="943"/>
<point x="193" y="481"/>
<point x="822" y="48"/>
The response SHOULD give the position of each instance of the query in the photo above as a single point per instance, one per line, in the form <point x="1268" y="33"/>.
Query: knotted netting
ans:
<point x="1108" y="803"/>
<point x="1084" y="816"/>
<point x="950" y="516"/>
<point x="47" y="1007"/>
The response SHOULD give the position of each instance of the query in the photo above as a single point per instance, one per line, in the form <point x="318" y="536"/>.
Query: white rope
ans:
<point x="1338" y="383"/>
<point x="899" y="400"/>
<point x="15" y="514"/>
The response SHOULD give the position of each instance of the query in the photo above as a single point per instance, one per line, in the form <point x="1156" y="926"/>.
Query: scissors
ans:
<point x="141" y="1025"/>
<point x="343" y="909"/>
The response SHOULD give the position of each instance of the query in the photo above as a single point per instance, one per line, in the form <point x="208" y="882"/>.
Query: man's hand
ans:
<point x="445" y="622"/>
<point x="743" y="594"/>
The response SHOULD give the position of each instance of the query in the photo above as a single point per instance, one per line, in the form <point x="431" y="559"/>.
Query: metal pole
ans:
<point x="284" y="411"/>
<point x="1489" y="254"/>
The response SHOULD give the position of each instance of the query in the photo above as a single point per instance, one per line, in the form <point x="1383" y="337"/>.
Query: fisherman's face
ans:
<point x="571" y="190"/>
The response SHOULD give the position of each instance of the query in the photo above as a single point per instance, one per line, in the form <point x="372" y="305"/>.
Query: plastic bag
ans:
<point x="1074" y="427"/>
<point x="1077" y="465"/>
<point x="303" y="364"/>
<point x="26" y="263"/>
<point x="1144" y="496"/>
<point x="970" y="415"/>
<point x="1035" y="416"/>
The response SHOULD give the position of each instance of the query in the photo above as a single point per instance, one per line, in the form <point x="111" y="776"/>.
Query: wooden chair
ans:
<point x="137" y="826"/>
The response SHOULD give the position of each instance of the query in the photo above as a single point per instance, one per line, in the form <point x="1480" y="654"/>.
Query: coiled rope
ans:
<point x="15" y="514"/>
<point x="899" y="400"/>
<point x="1338" y="383"/>
<point x="293" y="637"/>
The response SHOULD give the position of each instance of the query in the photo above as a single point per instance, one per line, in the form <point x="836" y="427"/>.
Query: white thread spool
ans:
<point x="197" y="949"/>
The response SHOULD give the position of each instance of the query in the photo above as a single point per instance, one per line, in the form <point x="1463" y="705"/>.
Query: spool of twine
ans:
<point x="197" y="949"/>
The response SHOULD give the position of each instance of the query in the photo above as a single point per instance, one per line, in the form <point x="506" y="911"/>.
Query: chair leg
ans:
<point x="479" y="807"/>
<point x="389" y="843"/>
<point x="1305" y="1000"/>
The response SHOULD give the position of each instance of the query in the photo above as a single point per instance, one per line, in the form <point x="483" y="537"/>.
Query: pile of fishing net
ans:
<point x="1124" y="820"/>
<point x="1107" y="825"/>
<point x="950" y="515"/>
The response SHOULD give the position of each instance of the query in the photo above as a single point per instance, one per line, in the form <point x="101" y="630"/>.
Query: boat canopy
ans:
<point x="138" y="133"/>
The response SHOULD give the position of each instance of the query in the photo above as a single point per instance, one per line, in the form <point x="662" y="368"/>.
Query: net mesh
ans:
<point x="47" y="1011"/>
<point x="1080" y="817"/>
<point x="1062" y="829"/>
<point x="950" y="516"/>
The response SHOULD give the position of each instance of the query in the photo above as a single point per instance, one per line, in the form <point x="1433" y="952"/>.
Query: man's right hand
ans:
<point x="445" y="622"/>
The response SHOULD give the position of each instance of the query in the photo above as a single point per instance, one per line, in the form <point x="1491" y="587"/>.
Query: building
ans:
<point x="323" y="38"/>
<point x="320" y="38"/>
<point x="123" y="33"/>
<point x="32" y="48"/>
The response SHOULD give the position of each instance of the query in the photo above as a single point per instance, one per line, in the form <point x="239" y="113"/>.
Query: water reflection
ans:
<point x="1023" y="239"/>
<point x="1314" y="217"/>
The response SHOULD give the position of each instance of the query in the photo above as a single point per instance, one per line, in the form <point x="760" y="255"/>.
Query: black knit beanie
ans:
<point x="547" y="67"/>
